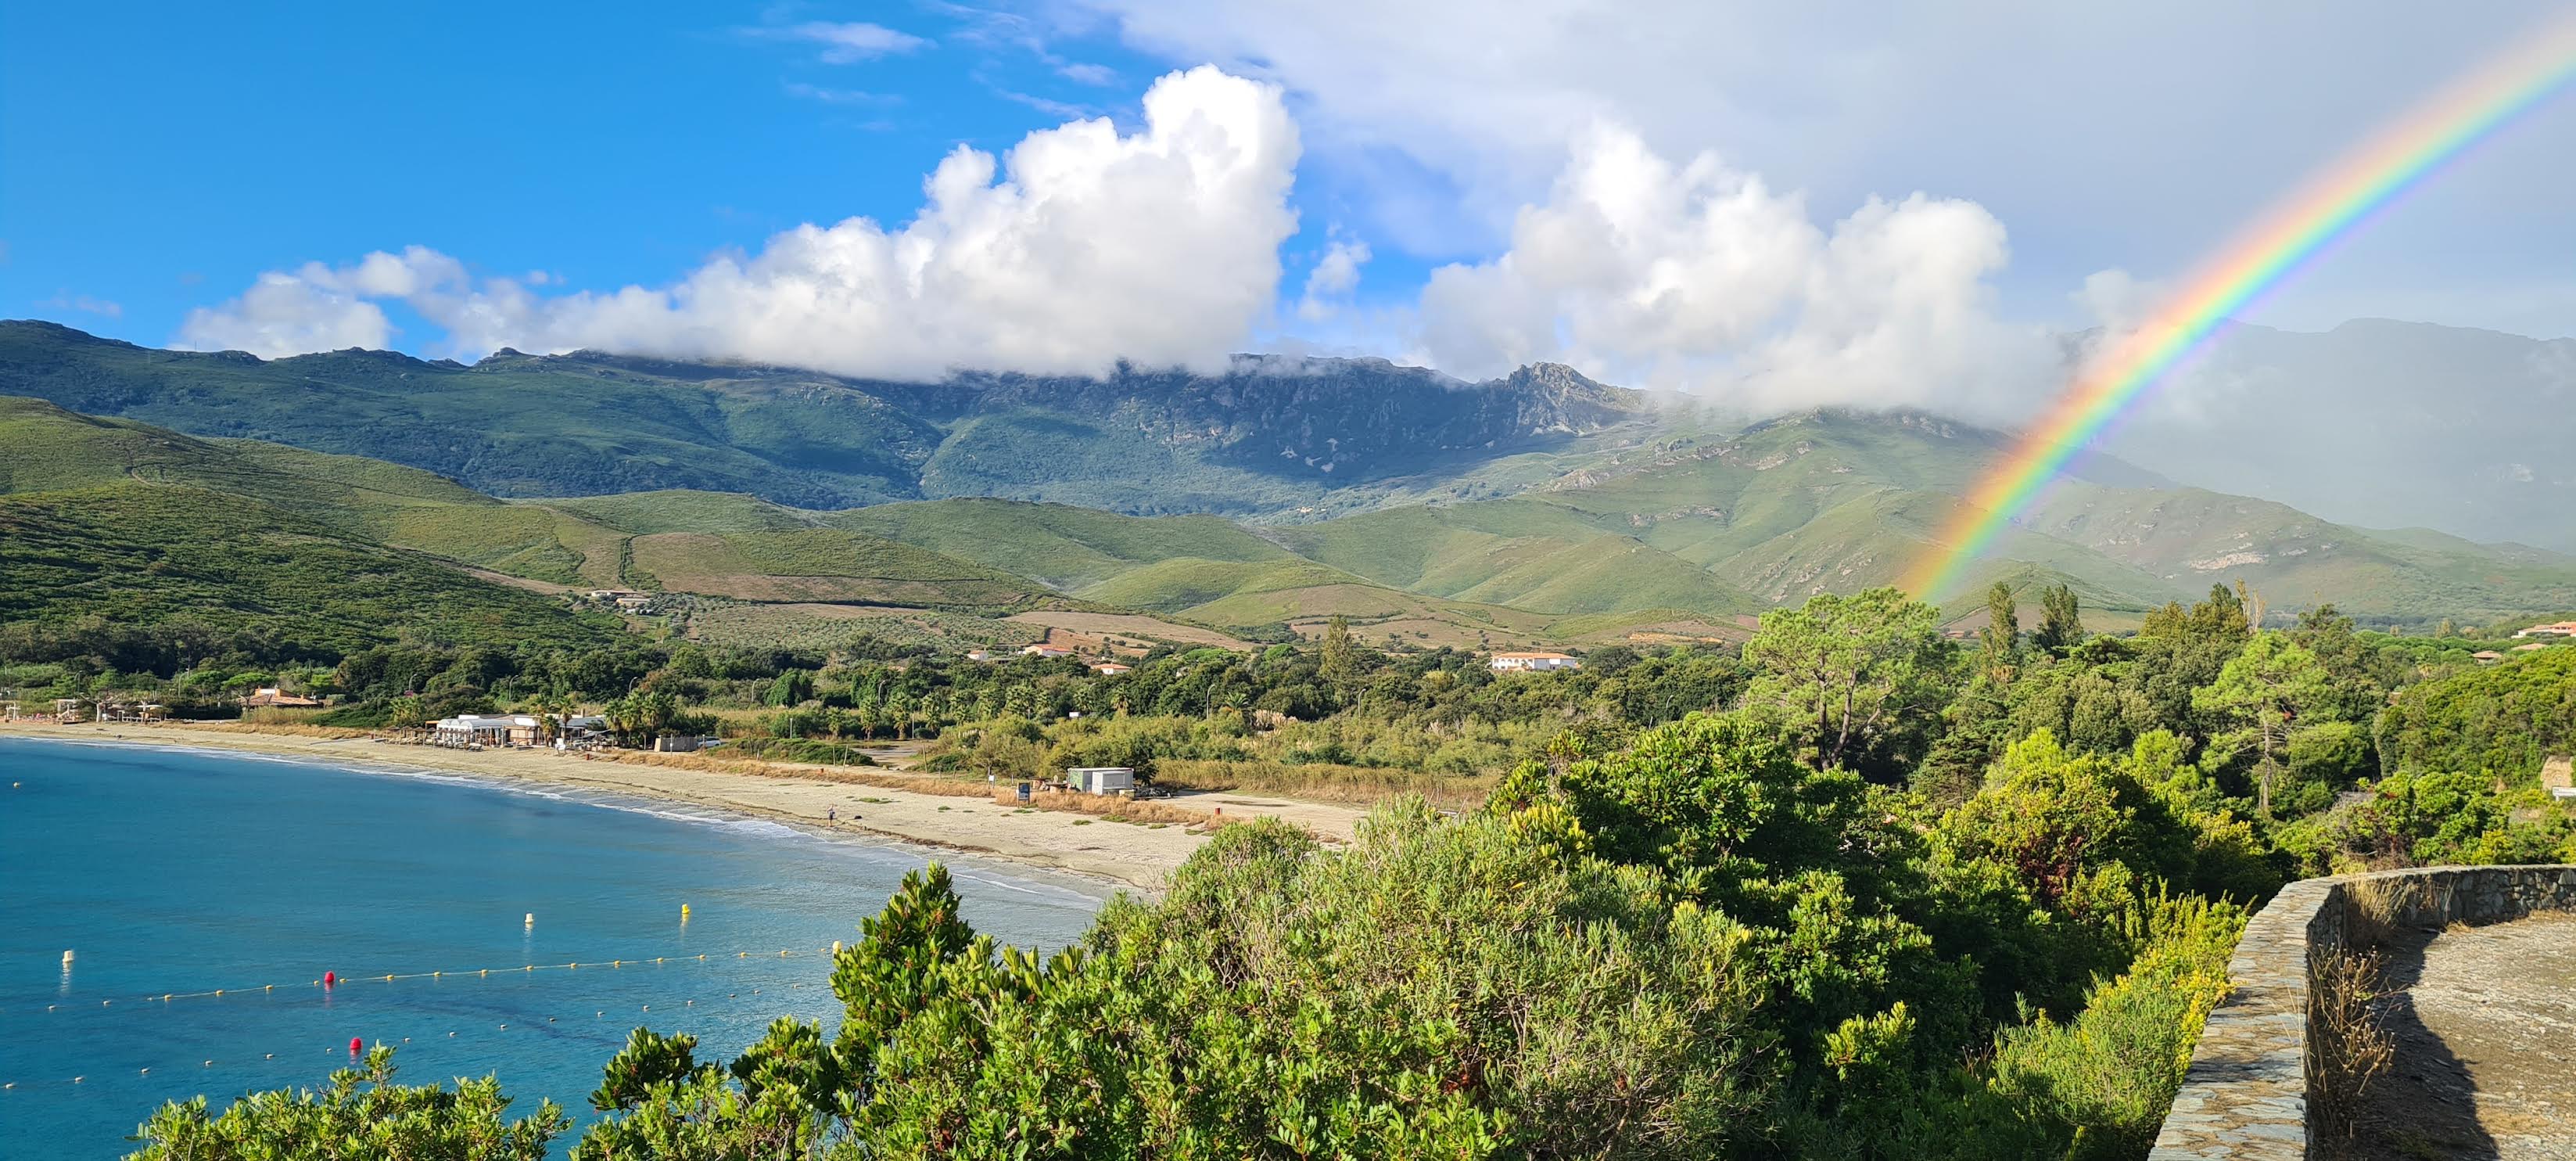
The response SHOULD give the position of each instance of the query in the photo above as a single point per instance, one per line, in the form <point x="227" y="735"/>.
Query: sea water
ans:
<point x="171" y="872"/>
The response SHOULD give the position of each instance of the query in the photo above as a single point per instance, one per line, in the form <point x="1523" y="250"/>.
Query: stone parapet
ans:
<point x="2246" y="1095"/>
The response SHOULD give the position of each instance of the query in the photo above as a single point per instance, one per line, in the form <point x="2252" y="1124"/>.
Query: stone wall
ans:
<point x="2245" y="1097"/>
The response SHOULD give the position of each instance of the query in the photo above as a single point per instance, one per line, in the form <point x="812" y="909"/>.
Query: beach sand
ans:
<point x="1128" y="854"/>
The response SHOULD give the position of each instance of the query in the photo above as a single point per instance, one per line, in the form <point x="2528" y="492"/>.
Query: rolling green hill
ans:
<point x="1693" y="528"/>
<point x="141" y="554"/>
<point x="1064" y="546"/>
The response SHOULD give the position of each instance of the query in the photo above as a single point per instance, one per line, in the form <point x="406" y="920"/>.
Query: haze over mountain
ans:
<point x="2379" y="423"/>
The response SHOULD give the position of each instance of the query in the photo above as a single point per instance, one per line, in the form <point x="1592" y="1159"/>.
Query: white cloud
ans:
<point x="849" y="42"/>
<point x="832" y="96"/>
<point x="1088" y="74"/>
<point x="1081" y="246"/>
<point x="2107" y="135"/>
<point x="315" y="308"/>
<point x="1335" y="276"/>
<point x="1697" y="276"/>
<point x="65" y="300"/>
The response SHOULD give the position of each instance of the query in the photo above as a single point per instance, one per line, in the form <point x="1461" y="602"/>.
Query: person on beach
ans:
<point x="828" y="814"/>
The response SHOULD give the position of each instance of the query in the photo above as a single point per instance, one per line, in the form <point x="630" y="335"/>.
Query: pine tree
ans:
<point x="2061" y="620"/>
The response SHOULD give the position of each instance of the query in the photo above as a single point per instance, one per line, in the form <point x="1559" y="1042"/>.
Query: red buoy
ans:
<point x="355" y="1044"/>
<point x="330" y="979"/>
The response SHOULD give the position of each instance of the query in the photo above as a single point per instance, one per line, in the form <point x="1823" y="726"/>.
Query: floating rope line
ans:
<point x="353" y="1050"/>
<point x="332" y="981"/>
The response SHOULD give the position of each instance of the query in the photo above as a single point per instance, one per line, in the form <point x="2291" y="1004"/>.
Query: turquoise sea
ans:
<point x="176" y="872"/>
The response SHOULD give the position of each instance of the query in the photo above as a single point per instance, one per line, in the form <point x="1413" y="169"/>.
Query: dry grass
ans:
<point x="2349" y="1044"/>
<point x="1111" y="806"/>
<point x="1360" y="785"/>
<point x="2374" y="909"/>
<point x="290" y="729"/>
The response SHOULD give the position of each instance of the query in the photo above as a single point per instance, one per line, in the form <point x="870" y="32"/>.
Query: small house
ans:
<point x="1102" y="779"/>
<point x="1531" y="662"/>
<point x="1112" y="668"/>
<point x="1045" y="650"/>
<point x="2486" y="657"/>
<point x="271" y="697"/>
<point x="2552" y="629"/>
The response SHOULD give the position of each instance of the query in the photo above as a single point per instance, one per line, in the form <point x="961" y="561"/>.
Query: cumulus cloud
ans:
<point x="1079" y="247"/>
<point x="1335" y="276"/>
<point x="1698" y="276"/>
<point x="315" y="308"/>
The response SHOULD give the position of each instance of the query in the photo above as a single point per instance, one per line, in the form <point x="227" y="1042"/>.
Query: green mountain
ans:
<point x="1268" y="435"/>
<point x="1540" y="506"/>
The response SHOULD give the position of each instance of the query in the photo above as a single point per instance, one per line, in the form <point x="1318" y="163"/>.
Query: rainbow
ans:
<point x="2330" y="206"/>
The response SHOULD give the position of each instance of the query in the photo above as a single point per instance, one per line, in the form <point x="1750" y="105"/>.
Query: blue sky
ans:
<point x="1695" y="181"/>
<point x="157" y="156"/>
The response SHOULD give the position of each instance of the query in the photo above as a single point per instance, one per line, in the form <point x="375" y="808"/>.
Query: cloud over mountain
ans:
<point x="1080" y="246"/>
<point x="1698" y="276"/>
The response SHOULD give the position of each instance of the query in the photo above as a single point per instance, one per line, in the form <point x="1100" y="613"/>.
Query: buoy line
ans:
<point x="333" y="981"/>
<point x="357" y="1045"/>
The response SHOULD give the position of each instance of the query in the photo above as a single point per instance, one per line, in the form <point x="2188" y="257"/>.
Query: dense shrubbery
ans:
<point x="1860" y="892"/>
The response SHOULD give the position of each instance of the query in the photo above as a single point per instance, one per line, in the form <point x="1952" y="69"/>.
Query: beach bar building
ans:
<point x="483" y="730"/>
<point x="1102" y="779"/>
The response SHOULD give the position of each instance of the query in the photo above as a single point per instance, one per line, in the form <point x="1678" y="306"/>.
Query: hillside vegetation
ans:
<point x="1854" y="890"/>
<point x="1692" y="529"/>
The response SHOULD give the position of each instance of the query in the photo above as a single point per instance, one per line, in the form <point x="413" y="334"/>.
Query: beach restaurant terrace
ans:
<point x="486" y="730"/>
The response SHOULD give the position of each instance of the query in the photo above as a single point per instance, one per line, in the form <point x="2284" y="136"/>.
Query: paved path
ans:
<point x="2485" y="1020"/>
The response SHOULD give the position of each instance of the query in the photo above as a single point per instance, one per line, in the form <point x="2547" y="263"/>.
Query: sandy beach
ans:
<point x="1131" y="854"/>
